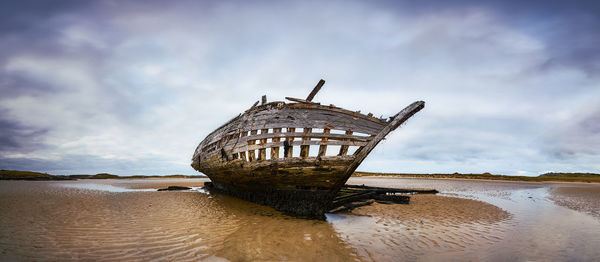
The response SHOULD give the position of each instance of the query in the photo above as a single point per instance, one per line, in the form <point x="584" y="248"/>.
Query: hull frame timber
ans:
<point x="294" y="157"/>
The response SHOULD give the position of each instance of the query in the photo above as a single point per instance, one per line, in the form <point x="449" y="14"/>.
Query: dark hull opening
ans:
<point x="303" y="203"/>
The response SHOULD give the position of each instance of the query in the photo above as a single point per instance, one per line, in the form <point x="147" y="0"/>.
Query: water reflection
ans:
<point x="103" y="187"/>
<point x="262" y="233"/>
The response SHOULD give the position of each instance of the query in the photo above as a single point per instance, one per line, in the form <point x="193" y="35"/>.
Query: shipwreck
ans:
<point x="293" y="156"/>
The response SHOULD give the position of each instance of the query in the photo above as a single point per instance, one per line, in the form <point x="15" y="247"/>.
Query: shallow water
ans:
<point x="129" y="220"/>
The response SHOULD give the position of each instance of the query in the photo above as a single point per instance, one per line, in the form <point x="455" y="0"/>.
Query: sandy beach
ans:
<point x="110" y="220"/>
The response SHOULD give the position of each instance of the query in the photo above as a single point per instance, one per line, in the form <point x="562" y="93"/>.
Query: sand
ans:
<point x="581" y="198"/>
<point x="108" y="220"/>
<point x="449" y="210"/>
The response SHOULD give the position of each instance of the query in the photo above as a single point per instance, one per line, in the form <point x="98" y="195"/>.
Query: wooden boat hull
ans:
<point x="235" y="155"/>
<point x="303" y="188"/>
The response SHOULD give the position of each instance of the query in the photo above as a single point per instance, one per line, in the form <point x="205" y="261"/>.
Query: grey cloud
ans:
<point x="578" y="136"/>
<point x="568" y="28"/>
<point x="17" y="138"/>
<point x="21" y="15"/>
<point x="133" y="85"/>
<point x="91" y="164"/>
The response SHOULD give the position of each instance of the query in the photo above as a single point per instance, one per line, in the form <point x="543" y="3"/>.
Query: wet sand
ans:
<point x="127" y="220"/>
<point x="581" y="198"/>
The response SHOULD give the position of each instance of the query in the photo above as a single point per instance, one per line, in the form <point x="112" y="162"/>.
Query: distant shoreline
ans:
<point x="550" y="177"/>
<point x="38" y="176"/>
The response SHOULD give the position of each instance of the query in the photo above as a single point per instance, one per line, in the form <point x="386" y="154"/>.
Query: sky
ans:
<point x="132" y="87"/>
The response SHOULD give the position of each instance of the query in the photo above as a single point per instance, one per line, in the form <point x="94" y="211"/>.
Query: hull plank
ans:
<point x="235" y="156"/>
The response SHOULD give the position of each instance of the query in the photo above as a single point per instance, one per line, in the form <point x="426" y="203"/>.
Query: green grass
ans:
<point x="27" y="175"/>
<point x="111" y="176"/>
<point x="549" y="177"/>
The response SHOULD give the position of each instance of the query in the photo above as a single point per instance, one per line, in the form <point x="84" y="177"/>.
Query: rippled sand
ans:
<point x="582" y="198"/>
<point x="124" y="220"/>
<point x="43" y="220"/>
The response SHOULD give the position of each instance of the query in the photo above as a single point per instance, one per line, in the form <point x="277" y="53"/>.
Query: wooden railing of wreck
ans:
<point x="246" y="144"/>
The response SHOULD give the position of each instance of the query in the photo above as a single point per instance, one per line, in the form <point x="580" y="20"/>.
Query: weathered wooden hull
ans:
<point x="235" y="155"/>
<point x="303" y="187"/>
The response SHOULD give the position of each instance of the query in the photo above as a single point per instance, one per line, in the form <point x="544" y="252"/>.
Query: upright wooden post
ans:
<point x="323" y="148"/>
<point x="304" y="148"/>
<point x="262" y="152"/>
<point x="243" y="154"/>
<point x="288" y="150"/>
<point x="275" y="150"/>
<point x="344" y="148"/>
<point x="251" y="155"/>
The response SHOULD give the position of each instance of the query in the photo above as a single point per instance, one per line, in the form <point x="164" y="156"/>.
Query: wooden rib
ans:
<point x="275" y="150"/>
<point x="243" y="154"/>
<point x="313" y="118"/>
<point x="298" y="143"/>
<point x="308" y="115"/>
<point x="262" y="152"/>
<point x="288" y="149"/>
<point x="323" y="148"/>
<point x="344" y="148"/>
<point x="399" y="118"/>
<point x="251" y="155"/>
<point x="304" y="148"/>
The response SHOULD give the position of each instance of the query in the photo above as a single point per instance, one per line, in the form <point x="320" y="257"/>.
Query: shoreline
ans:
<point x="434" y="177"/>
<point x="573" y="178"/>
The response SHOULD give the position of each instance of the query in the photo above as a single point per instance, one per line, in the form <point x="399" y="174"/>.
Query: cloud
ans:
<point x="17" y="136"/>
<point x="134" y="86"/>
<point x="580" y="136"/>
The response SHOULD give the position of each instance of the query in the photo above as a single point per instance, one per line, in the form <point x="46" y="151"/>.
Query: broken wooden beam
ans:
<point x="353" y="196"/>
<point x="315" y="90"/>
<point x="298" y="100"/>
<point x="381" y="190"/>
<point x="253" y="106"/>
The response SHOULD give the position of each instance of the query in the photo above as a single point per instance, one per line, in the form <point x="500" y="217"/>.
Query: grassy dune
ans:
<point x="28" y="175"/>
<point x="548" y="177"/>
<point x="111" y="176"/>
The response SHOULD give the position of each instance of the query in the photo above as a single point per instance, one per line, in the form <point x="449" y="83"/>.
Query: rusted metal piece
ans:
<point x="301" y="184"/>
